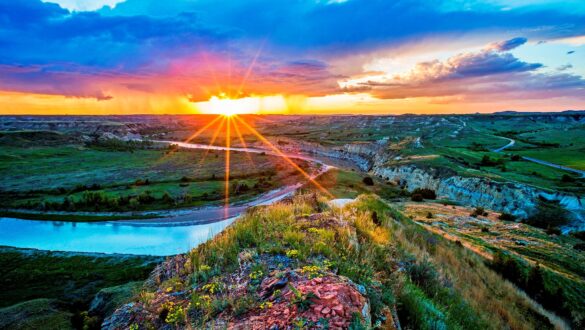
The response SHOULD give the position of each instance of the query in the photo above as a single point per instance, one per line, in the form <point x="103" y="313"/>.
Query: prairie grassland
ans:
<point x="563" y="267"/>
<point x="430" y="281"/>
<point x="56" y="177"/>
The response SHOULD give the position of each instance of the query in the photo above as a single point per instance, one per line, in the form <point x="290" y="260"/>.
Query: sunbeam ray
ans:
<point x="213" y="138"/>
<point x="283" y="155"/>
<point x="227" y="168"/>
<point x="241" y="138"/>
<point x="194" y="135"/>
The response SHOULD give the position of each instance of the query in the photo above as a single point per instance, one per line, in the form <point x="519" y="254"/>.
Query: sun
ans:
<point x="222" y="105"/>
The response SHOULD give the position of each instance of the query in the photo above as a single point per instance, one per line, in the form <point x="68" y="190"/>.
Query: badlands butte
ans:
<point x="432" y="222"/>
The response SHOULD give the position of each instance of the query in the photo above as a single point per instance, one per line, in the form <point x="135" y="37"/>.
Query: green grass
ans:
<point x="574" y="158"/>
<point x="442" y="285"/>
<point x="69" y="277"/>
<point x="37" y="175"/>
<point x="349" y="184"/>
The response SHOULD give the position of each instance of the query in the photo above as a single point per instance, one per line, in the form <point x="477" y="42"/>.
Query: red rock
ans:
<point x="328" y="296"/>
<point x="326" y="310"/>
<point x="318" y="308"/>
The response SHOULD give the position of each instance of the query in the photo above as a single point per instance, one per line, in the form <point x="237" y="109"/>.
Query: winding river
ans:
<point x="176" y="233"/>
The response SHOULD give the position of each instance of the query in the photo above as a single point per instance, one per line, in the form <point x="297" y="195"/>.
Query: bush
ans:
<point x="240" y="188"/>
<point x="424" y="275"/>
<point x="167" y="198"/>
<point x="145" y="198"/>
<point x="487" y="161"/>
<point x="579" y="246"/>
<point x="552" y="231"/>
<point x="368" y="181"/>
<point x="507" y="217"/>
<point x="579" y="234"/>
<point x="478" y="211"/>
<point x="567" y="178"/>
<point x="508" y="266"/>
<point x="416" y="198"/>
<point x="426" y="193"/>
<point x="548" y="214"/>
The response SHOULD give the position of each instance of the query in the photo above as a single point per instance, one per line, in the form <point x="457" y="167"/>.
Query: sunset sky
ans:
<point x="291" y="56"/>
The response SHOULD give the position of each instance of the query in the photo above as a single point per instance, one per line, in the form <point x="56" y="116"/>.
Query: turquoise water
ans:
<point x="106" y="237"/>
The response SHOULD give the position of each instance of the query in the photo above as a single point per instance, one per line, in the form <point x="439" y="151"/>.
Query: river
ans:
<point x="159" y="237"/>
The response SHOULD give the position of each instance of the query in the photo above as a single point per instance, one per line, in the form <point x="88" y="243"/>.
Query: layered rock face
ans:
<point x="511" y="198"/>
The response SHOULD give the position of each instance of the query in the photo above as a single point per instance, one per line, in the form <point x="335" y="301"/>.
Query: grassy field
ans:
<point x="349" y="184"/>
<point x="58" y="287"/>
<point x="60" y="177"/>
<point x="563" y="266"/>
<point x="440" y="285"/>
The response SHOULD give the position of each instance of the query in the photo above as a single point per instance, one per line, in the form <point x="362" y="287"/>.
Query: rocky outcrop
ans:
<point x="107" y="300"/>
<point x="512" y="198"/>
<point x="334" y="298"/>
<point x="320" y="298"/>
<point x="362" y="154"/>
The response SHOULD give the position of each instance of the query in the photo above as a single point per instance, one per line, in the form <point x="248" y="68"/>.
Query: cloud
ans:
<point x="85" y="5"/>
<point x="485" y="75"/>
<point x="507" y="44"/>
<point x="198" y="48"/>
<point x="565" y="67"/>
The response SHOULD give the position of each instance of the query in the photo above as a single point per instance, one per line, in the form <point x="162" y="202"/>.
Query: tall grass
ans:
<point x="435" y="283"/>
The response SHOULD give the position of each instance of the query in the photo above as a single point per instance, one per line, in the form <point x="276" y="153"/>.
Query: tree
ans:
<point x="567" y="178"/>
<point x="416" y="198"/>
<point x="167" y="198"/>
<point x="368" y="181"/>
<point x="548" y="214"/>
<point x="478" y="211"/>
<point x="426" y="193"/>
<point x="535" y="282"/>
<point x="507" y="217"/>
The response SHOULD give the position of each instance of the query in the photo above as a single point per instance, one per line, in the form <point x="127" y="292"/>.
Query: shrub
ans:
<point x="426" y="193"/>
<point x="240" y="188"/>
<point x="429" y="215"/>
<point x="567" y="178"/>
<point x="579" y="246"/>
<point x="167" y="198"/>
<point x="552" y="231"/>
<point x="508" y="266"/>
<point x="145" y="198"/>
<point x="579" y="234"/>
<point x="368" y="181"/>
<point x="416" y="198"/>
<point x="487" y="161"/>
<point x="424" y="275"/>
<point x="548" y="214"/>
<point x="478" y="211"/>
<point x="507" y="217"/>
